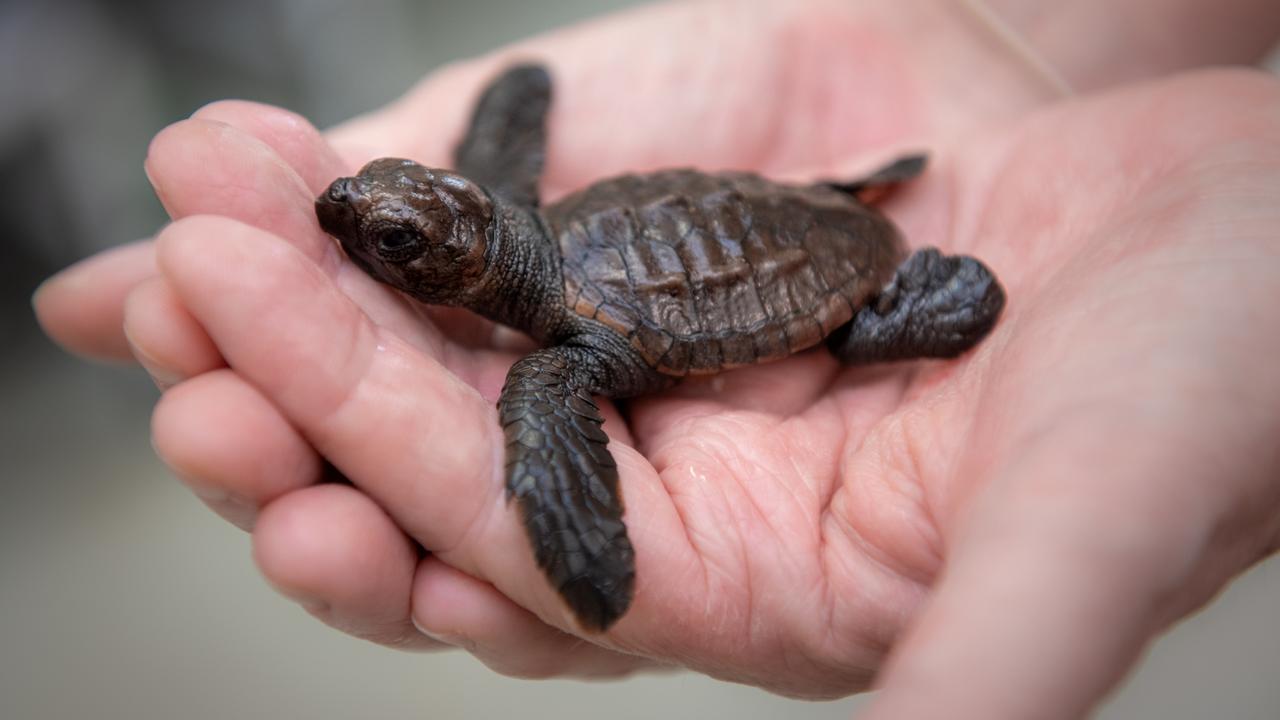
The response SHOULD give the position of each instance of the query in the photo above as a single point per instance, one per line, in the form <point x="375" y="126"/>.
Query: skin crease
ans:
<point x="793" y="523"/>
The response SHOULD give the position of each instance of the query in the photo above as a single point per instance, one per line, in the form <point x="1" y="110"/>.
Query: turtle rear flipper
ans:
<point x="936" y="306"/>
<point x="561" y="474"/>
<point x="879" y="184"/>
<point x="506" y="140"/>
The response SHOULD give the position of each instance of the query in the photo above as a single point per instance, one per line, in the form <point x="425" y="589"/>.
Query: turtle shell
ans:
<point x="705" y="272"/>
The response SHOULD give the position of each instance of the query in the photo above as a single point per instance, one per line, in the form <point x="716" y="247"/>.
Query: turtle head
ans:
<point x="418" y="229"/>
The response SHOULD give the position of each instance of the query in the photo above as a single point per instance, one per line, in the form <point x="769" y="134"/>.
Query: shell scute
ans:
<point x="703" y="272"/>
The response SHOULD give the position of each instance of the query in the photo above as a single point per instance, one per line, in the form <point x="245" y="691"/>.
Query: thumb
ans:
<point x="1065" y="568"/>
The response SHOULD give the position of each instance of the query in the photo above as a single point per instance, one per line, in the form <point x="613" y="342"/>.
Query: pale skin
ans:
<point x="997" y="536"/>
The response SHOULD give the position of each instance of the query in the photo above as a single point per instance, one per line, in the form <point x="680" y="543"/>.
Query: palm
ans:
<point x="848" y="483"/>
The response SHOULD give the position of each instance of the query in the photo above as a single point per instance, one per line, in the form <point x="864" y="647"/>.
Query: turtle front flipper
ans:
<point x="561" y="474"/>
<point x="506" y="141"/>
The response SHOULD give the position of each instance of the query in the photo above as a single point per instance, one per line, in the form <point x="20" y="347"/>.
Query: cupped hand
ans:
<point x="1098" y="467"/>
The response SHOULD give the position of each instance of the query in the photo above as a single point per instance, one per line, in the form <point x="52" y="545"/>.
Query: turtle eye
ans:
<point x="398" y="244"/>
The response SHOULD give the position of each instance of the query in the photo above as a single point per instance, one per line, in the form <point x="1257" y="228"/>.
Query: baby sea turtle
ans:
<point x="633" y="283"/>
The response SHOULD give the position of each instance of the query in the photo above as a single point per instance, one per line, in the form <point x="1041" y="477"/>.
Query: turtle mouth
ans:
<point x="340" y="218"/>
<point x="337" y="219"/>
<point x="338" y="210"/>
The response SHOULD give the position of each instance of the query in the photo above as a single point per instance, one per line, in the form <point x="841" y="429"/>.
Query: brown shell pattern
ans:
<point x="707" y="272"/>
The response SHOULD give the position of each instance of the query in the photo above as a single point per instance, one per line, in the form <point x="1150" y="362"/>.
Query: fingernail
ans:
<point x="205" y="491"/>
<point x="208" y="493"/>
<point x="163" y="377"/>
<point x="446" y="638"/>
<point x="36" y="304"/>
<point x="155" y="187"/>
<point x="414" y="619"/>
<point x="41" y="289"/>
<point x="311" y="603"/>
<point x="319" y="608"/>
<point x="229" y="503"/>
<point x="240" y="513"/>
<point x="62" y="282"/>
<point x="68" y="277"/>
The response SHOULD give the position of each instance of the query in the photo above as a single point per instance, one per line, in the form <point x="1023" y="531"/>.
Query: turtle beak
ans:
<point x="339" y="208"/>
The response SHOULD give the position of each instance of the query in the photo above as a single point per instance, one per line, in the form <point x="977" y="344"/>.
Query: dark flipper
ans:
<point x="506" y="141"/>
<point x="566" y="483"/>
<point x="880" y="183"/>
<point x="936" y="306"/>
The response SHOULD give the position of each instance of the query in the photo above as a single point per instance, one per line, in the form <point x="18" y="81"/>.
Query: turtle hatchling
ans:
<point x="629" y="285"/>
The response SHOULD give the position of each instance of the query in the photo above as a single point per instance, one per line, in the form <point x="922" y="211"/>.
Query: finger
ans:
<point x="1108" y="511"/>
<point x="201" y="166"/>
<point x="82" y="307"/>
<point x="283" y="324"/>
<point x="230" y="445"/>
<point x="469" y="613"/>
<point x="330" y="548"/>
<point x="422" y="443"/>
<point x="289" y="135"/>
<point x="168" y="343"/>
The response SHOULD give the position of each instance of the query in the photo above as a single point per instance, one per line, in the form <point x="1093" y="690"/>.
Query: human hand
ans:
<point x="330" y="544"/>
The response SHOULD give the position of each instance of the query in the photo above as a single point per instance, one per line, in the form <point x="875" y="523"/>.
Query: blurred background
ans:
<point x="120" y="595"/>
